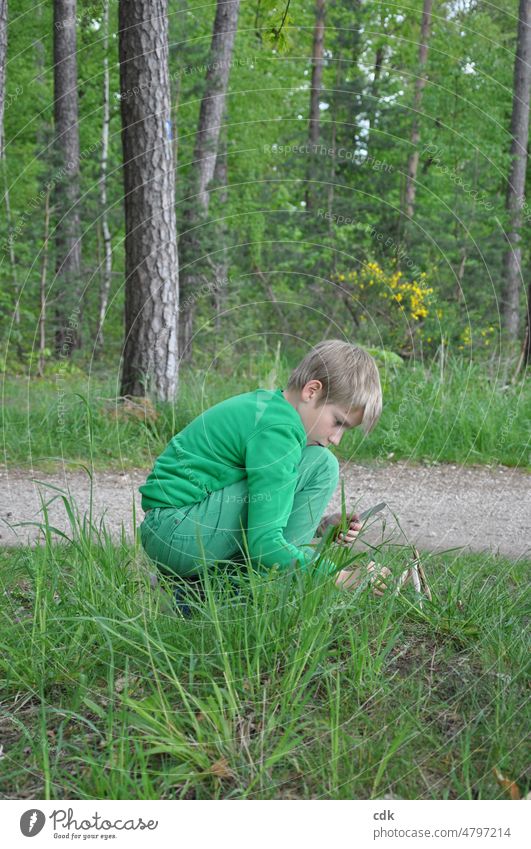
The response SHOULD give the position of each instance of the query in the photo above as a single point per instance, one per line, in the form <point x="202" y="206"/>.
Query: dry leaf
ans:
<point x="221" y="769"/>
<point x="119" y="684"/>
<point x="134" y="408"/>
<point x="510" y="787"/>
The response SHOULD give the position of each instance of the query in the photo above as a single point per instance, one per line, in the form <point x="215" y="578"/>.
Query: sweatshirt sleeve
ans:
<point x="272" y="457"/>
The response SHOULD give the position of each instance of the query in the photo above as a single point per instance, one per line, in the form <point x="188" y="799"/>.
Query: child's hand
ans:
<point x="349" y="579"/>
<point x="353" y="528"/>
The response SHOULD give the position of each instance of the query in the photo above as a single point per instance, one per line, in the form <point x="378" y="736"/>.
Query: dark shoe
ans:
<point x="179" y="594"/>
<point x="181" y="604"/>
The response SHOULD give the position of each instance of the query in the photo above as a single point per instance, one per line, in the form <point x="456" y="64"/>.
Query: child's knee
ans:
<point x="330" y="468"/>
<point x="322" y="465"/>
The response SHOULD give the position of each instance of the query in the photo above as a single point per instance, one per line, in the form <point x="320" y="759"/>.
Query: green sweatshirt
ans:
<point x="257" y="435"/>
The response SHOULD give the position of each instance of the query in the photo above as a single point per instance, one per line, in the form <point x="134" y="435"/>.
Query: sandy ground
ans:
<point x="434" y="507"/>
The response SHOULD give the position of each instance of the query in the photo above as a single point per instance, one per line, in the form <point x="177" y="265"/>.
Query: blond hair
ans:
<point x="349" y="376"/>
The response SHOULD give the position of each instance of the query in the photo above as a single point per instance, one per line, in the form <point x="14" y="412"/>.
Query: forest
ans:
<point x="278" y="173"/>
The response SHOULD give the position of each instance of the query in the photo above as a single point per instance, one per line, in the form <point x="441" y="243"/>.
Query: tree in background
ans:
<point x="68" y="284"/>
<point x="315" y="95"/>
<point x="3" y="53"/>
<point x="516" y="184"/>
<point x="150" y="362"/>
<point x="105" y="286"/>
<point x="420" y="82"/>
<point x="220" y="262"/>
<point x="191" y="244"/>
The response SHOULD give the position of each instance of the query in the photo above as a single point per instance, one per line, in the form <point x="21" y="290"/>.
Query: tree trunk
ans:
<point x="372" y="110"/>
<point x="3" y="55"/>
<point x="420" y="82"/>
<point x="11" y="243"/>
<point x="205" y="154"/>
<point x="44" y="131"/>
<point x="333" y="160"/>
<point x="68" y="230"/>
<point x="517" y="172"/>
<point x="221" y="262"/>
<point x="107" y="246"/>
<point x="315" y="97"/>
<point x="151" y="268"/>
<point x="10" y="239"/>
<point x="527" y="340"/>
<point x="44" y="268"/>
<point x="44" y="138"/>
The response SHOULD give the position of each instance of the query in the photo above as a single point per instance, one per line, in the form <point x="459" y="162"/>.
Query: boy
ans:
<point x="258" y="465"/>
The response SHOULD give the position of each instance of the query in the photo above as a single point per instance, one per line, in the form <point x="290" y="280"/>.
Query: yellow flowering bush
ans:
<point x="389" y="297"/>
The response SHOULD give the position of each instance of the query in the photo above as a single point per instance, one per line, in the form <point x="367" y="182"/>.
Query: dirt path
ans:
<point x="438" y="507"/>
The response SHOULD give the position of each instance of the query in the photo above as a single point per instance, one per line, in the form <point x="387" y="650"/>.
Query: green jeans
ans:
<point x="180" y="540"/>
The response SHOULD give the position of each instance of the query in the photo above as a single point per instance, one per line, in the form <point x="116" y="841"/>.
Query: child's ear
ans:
<point x="312" y="390"/>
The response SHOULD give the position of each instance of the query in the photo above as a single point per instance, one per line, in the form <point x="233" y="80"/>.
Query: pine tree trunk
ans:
<point x="517" y="173"/>
<point x="205" y="154"/>
<point x="315" y="97"/>
<point x="420" y="82"/>
<point x="68" y="229"/>
<point x="3" y="59"/>
<point x="151" y="288"/>
<point x="107" y="246"/>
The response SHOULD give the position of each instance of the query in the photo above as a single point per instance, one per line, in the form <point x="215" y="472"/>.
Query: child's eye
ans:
<point x="339" y="423"/>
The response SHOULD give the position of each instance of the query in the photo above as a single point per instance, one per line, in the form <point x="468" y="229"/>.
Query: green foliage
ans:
<point x="276" y="246"/>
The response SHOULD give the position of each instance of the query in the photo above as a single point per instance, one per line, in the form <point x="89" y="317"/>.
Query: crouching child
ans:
<point x="253" y="474"/>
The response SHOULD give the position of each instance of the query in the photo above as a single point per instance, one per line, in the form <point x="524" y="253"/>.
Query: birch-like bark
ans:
<point x="107" y="245"/>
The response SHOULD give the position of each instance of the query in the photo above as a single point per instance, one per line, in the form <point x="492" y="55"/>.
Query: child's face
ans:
<point x="325" y="425"/>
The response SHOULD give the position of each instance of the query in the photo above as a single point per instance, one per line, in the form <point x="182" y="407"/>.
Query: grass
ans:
<point x="292" y="689"/>
<point x="467" y="415"/>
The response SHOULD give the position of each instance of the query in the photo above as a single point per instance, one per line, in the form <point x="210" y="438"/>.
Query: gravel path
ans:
<point x="437" y="507"/>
